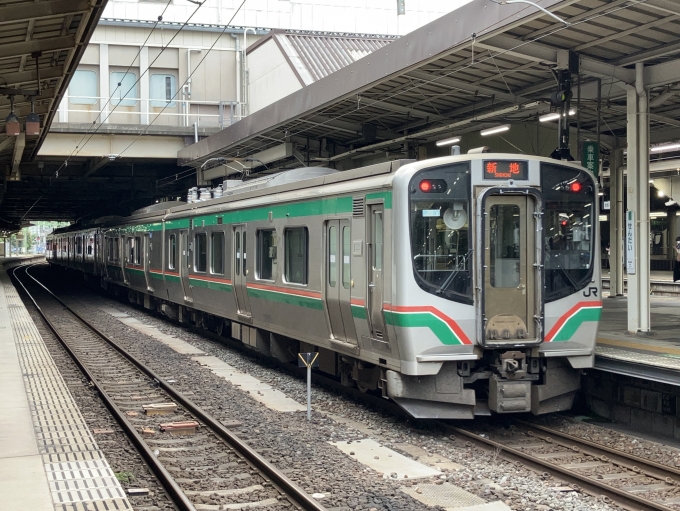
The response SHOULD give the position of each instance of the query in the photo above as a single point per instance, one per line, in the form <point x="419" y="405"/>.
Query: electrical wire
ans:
<point x="217" y="39"/>
<point x="470" y="65"/>
<point x="80" y="147"/>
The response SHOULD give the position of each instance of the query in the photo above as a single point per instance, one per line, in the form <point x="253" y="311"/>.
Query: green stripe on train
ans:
<point x="216" y="286"/>
<point x="574" y="322"/>
<point x="331" y="206"/>
<point x="359" y="311"/>
<point x="300" y="301"/>
<point x="426" y="320"/>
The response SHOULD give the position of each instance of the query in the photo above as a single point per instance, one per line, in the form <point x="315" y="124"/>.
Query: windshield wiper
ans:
<point x="565" y="273"/>
<point x="448" y="280"/>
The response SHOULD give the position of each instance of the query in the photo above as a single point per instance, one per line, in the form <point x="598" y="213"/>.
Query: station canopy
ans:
<point x="483" y="65"/>
<point x="41" y="44"/>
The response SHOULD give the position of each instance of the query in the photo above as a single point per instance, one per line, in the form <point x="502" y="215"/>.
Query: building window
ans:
<point x="83" y="88"/>
<point x="295" y="241"/>
<point x="126" y="93"/>
<point x="172" y="252"/>
<point x="162" y="90"/>
<point x="217" y="253"/>
<point x="201" y="252"/>
<point x="266" y="254"/>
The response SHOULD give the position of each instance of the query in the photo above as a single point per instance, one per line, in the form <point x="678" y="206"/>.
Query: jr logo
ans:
<point x="592" y="291"/>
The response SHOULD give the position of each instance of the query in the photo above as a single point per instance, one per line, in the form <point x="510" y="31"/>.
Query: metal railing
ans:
<point x="177" y="112"/>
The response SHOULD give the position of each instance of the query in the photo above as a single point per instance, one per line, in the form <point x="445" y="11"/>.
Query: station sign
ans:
<point x="590" y="156"/>
<point x="630" y="242"/>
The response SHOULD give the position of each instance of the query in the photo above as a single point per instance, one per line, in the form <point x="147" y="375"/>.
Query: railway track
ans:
<point x="615" y="476"/>
<point x="200" y="462"/>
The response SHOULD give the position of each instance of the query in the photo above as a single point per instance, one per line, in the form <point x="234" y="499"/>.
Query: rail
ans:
<point x="297" y="496"/>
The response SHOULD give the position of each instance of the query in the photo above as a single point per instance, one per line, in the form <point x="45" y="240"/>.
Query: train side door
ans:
<point x="509" y="256"/>
<point x="146" y="258"/>
<point x="338" y="280"/>
<point x="185" y="264"/>
<point x="240" y="270"/>
<point x="375" y="295"/>
<point x="124" y="254"/>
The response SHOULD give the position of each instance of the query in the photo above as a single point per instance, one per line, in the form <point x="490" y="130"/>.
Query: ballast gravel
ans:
<point x="302" y="449"/>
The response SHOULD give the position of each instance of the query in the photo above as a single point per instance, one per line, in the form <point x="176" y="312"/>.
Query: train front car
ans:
<point x="496" y="300"/>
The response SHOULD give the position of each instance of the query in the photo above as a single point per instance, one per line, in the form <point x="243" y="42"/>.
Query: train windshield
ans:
<point x="568" y="229"/>
<point x="440" y="231"/>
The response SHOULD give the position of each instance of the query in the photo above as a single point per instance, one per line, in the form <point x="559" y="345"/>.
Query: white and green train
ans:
<point x="458" y="286"/>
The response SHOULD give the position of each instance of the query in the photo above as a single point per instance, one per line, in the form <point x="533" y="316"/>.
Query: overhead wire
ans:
<point x="80" y="147"/>
<point x="422" y="83"/>
<point x="190" y="74"/>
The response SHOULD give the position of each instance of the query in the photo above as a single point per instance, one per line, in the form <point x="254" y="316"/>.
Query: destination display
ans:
<point x="506" y="169"/>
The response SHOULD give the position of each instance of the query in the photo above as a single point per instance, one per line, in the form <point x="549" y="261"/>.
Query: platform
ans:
<point x="655" y="357"/>
<point x="660" y="283"/>
<point x="49" y="459"/>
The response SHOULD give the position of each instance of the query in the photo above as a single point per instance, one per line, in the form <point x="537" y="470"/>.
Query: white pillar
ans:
<point x="632" y="195"/>
<point x="615" y="176"/>
<point x="104" y="81"/>
<point x="144" y="85"/>
<point x="620" y="217"/>
<point x="643" y="196"/>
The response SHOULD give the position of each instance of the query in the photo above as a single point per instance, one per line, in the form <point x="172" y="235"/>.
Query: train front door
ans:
<point x="374" y="302"/>
<point x="338" y="280"/>
<point x="509" y="257"/>
<point x="185" y="264"/>
<point x="241" y="271"/>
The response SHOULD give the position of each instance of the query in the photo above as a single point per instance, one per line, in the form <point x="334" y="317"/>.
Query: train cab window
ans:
<point x="440" y="231"/>
<point x="346" y="249"/>
<point x="172" y="252"/>
<point x="266" y="254"/>
<point x="217" y="253"/>
<point x="568" y="229"/>
<point x="201" y="252"/>
<point x="296" y="247"/>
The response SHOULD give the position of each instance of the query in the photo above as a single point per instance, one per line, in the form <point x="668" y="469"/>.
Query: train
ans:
<point x="457" y="286"/>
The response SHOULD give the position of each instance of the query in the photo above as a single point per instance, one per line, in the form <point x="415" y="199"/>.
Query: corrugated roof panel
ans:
<point x="323" y="54"/>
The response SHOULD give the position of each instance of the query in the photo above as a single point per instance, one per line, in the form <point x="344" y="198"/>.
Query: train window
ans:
<point x="332" y="256"/>
<point x="378" y="240"/>
<point x="124" y="87"/>
<point x="440" y="233"/>
<point x="568" y="229"/>
<point x="504" y="245"/>
<point x="296" y="247"/>
<point x="237" y="252"/>
<point x="266" y="254"/>
<point x="201" y="252"/>
<point x="217" y="253"/>
<point x="138" y="250"/>
<point x="346" y="252"/>
<point x="172" y="252"/>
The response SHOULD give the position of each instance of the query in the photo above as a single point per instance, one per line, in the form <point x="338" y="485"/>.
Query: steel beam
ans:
<point x="32" y="76"/>
<point x="13" y="50"/>
<point x="38" y="10"/>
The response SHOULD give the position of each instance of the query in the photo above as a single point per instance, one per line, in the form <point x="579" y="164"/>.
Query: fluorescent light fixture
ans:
<point x="603" y="218"/>
<point x="658" y="214"/>
<point x="448" y="141"/>
<point x="660" y="194"/>
<point x="493" y="131"/>
<point x="664" y="148"/>
<point x="554" y="116"/>
<point x="600" y="194"/>
<point x="651" y="181"/>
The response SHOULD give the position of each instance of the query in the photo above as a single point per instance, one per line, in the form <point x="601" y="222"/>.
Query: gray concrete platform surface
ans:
<point x="48" y="457"/>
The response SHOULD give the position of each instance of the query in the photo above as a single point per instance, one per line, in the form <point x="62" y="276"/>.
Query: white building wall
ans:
<point x="271" y="77"/>
<point x="357" y="16"/>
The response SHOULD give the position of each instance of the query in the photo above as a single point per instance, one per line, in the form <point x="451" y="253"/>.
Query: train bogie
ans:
<point x="458" y="286"/>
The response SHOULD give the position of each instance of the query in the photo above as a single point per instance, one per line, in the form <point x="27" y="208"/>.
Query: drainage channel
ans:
<point x="199" y="461"/>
